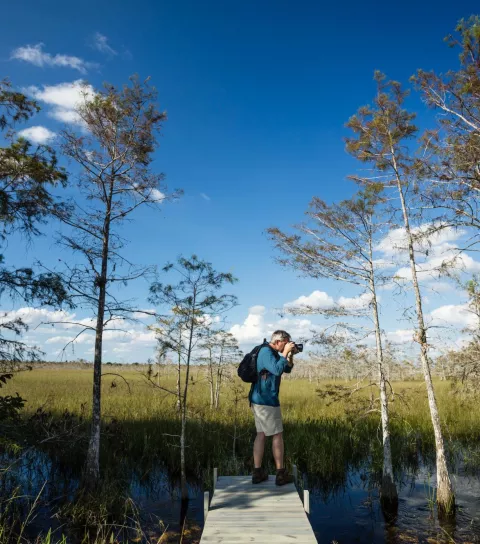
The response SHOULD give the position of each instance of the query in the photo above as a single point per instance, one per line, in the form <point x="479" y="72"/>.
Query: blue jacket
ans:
<point x="265" y="390"/>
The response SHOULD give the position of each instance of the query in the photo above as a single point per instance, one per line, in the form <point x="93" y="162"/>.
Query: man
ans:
<point x="272" y="361"/>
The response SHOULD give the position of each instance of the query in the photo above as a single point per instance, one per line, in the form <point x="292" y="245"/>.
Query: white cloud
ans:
<point x="395" y="242"/>
<point x="401" y="336"/>
<point x="252" y="328"/>
<point x="64" y="340"/>
<point x="255" y="327"/>
<point x="431" y="269"/>
<point x="297" y="328"/>
<point x="64" y="99"/>
<point x="35" y="55"/>
<point x="143" y="313"/>
<point x="435" y="252"/>
<point x="37" y="134"/>
<point x="439" y="287"/>
<point x="52" y="328"/>
<point x="317" y="299"/>
<point x="458" y="315"/>
<point x="34" y="316"/>
<point x="157" y="195"/>
<point x="356" y="303"/>
<point x="205" y="197"/>
<point x="100" y="43"/>
<point x="321" y="300"/>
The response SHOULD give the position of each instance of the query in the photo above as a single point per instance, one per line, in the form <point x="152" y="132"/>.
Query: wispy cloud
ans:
<point x="35" y="55"/>
<point x="63" y="98"/>
<point x="100" y="43"/>
<point x="37" y="134"/>
<point x="54" y="330"/>
<point x="205" y="197"/>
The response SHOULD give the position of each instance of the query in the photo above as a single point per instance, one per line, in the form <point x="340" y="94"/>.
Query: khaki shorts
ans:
<point x="268" y="419"/>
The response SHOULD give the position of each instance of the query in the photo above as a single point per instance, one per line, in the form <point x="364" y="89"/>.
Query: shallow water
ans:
<point x="349" y="513"/>
<point x="355" y="516"/>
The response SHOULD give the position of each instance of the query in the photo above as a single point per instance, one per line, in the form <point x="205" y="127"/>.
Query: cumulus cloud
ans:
<point x="436" y="252"/>
<point x="37" y="134"/>
<point x="356" y="303"/>
<point x="395" y="242"/>
<point x="456" y="315"/>
<point x="321" y="300"/>
<point x="400" y="336"/>
<point x="35" y="55"/>
<point x="100" y="43"/>
<point x="256" y="327"/>
<point x="431" y="269"/>
<point x="56" y="328"/>
<point x="35" y="316"/>
<point x="252" y="328"/>
<point x="64" y="340"/>
<point x="317" y="299"/>
<point x="157" y="195"/>
<point x="63" y="99"/>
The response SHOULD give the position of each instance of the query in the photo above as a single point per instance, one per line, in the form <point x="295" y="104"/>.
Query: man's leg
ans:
<point x="277" y="449"/>
<point x="282" y="477"/>
<point x="258" y="449"/>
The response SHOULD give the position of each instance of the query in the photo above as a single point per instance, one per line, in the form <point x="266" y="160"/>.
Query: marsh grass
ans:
<point x="140" y="428"/>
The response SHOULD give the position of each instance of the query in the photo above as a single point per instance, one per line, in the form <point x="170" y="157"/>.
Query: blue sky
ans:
<point x="257" y="95"/>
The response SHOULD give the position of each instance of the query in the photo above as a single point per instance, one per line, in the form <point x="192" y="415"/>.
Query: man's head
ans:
<point x="279" y="340"/>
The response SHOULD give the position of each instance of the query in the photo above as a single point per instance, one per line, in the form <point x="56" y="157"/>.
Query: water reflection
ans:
<point x="343" y="509"/>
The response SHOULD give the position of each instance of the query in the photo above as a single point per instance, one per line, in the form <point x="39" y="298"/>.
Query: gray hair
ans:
<point x="279" y="336"/>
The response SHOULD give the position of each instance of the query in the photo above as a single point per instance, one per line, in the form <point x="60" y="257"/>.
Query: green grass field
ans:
<point x="315" y="428"/>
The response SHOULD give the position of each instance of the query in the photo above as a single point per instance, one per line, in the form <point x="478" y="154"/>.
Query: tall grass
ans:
<point x="139" y="421"/>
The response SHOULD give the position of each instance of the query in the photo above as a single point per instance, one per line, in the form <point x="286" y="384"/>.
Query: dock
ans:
<point x="241" y="512"/>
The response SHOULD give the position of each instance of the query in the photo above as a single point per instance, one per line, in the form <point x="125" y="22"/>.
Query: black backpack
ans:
<point x="247" y="369"/>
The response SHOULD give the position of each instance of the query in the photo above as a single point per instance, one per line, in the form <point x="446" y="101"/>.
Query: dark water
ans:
<point x="346" y="513"/>
<point x="354" y="514"/>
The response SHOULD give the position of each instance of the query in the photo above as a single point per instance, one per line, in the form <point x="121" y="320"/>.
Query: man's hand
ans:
<point x="290" y="359"/>
<point x="288" y="348"/>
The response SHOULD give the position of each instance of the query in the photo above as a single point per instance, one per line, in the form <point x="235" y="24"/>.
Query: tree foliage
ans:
<point x="191" y="304"/>
<point x="116" y="178"/>
<point x="28" y="174"/>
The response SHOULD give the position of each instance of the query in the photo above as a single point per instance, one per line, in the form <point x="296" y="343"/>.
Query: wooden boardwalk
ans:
<point x="241" y="512"/>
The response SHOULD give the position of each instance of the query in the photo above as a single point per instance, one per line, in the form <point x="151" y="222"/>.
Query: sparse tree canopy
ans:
<point x="337" y="243"/>
<point x="452" y="150"/>
<point x="191" y="304"/>
<point x="382" y="135"/>
<point x="114" y="156"/>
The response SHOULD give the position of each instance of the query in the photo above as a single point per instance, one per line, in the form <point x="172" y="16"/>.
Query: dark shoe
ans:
<point x="283" y="477"/>
<point x="259" y="475"/>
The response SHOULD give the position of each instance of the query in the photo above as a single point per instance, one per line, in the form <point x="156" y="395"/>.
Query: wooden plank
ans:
<point x="205" y="505"/>
<point x="241" y="512"/>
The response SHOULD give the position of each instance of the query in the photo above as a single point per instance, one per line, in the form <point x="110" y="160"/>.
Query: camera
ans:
<point x="298" y="348"/>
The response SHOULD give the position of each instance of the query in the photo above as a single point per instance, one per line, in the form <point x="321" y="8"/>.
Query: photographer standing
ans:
<point x="274" y="358"/>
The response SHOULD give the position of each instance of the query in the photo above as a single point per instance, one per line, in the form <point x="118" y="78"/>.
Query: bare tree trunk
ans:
<point x="210" y="382"/>
<point x="179" y="377"/>
<point x="183" y="471"/>
<point x="445" y="496"/>
<point x="92" y="465"/>
<point x="388" y="490"/>
<point x="218" y="383"/>
<point x="179" y="395"/>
